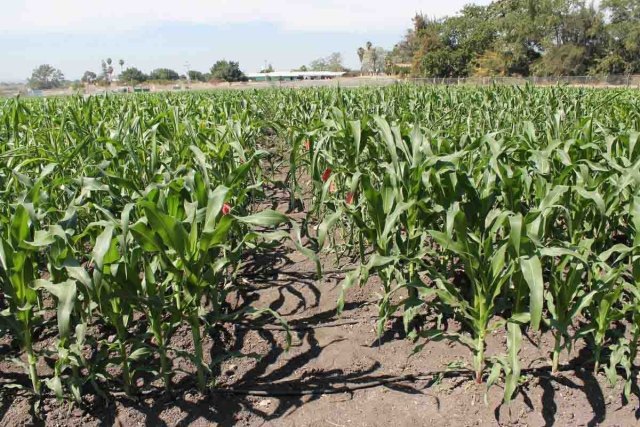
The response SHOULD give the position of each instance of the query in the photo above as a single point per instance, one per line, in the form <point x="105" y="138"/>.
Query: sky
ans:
<point x="75" y="35"/>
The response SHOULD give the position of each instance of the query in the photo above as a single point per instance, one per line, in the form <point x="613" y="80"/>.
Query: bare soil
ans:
<point x="335" y="353"/>
<point x="328" y="358"/>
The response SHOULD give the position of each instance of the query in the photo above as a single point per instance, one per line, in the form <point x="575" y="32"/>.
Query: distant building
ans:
<point x="35" y="92"/>
<point x="285" y="76"/>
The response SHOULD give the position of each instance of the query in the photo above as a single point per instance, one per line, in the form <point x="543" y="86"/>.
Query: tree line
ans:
<point x="524" y="38"/>
<point x="223" y="70"/>
<point x="48" y="77"/>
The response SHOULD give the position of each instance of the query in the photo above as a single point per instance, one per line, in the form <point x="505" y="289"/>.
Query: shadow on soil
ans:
<point x="224" y="409"/>
<point x="590" y="387"/>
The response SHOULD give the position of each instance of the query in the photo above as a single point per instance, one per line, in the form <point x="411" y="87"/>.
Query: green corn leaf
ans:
<point x="102" y="246"/>
<point x="514" y="343"/>
<point x="55" y="385"/>
<point x="41" y="238"/>
<point x="65" y="293"/>
<point x="145" y="237"/>
<point x="593" y="196"/>
<point x="494" y="375"/>
<point x="532" y="273"/>
<point x="140" y="353"/>
<point x="78" y="272"/>
<point x="388" y="139"/>
<point x="447" y="243"/>
<point x="19" y="226"/>
<point x="326" y="225"/>
<point x="265" y="218"/>
<point x="559" y="252"/>
<point x="352" y="278"/>
<point x="516" y="225"/>
<point x="498" y="262"/>
<point x="218" y="235"/>
<point x="392" y="219"/>
<point x="168" y="228"/>
<point x="214" y="206"/>
<point x="552" y="197"/>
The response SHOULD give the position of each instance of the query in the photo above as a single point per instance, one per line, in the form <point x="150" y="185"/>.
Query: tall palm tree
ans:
<point x="109" y="69"/>
<point x="374" y="60"/>
<point x="361" y="57"/>
<point x="369" y="46"/>
<point x="121" y="62"/>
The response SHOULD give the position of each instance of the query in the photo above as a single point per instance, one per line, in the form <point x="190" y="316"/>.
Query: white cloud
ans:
<point x="72" y="16"/>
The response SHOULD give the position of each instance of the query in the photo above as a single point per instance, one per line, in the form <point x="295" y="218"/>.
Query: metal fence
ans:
<point x="630" y="81"/>
<point x="587" y="81"/>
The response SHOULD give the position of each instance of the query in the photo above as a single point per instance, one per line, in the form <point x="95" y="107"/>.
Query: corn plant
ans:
<point x="19" y="271"/>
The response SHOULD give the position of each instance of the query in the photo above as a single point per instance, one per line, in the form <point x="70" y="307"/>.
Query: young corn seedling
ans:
<point x="567" y="294"/>
<point x="114" y="289"/>
<point x="482" y="253"/>
<point x="605" y="307"/>
<point x="625" y="351"/>
<point x="65" y="293"/>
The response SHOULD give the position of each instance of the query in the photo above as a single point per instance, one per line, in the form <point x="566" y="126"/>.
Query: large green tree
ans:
<point x="46" y="77"/>
<point x="164" y="74"/>
<point x="197" y="76"/>
<point x="89" y="77"/>
<point x="524" y="37"/>
<point x="319" y="64"/>
<point x="623" y="33"/>
<point x="375" y="60"/>
<point x="574" y="38"/>
<point x="133" y="76"/>
<point x="450" y="47"/>
<point x="228" y="71"/>
<point x="332" y="62"/>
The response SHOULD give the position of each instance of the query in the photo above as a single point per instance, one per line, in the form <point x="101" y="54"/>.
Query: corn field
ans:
<point x="503" y="208"/>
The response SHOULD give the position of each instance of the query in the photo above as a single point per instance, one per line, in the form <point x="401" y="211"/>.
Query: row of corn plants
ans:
<point x="123" y="220"/>
<point x="509" y="209"/>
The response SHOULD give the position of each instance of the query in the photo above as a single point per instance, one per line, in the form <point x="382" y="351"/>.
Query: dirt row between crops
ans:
<point x="343" y="373"/>
<point x="329" y="353"/>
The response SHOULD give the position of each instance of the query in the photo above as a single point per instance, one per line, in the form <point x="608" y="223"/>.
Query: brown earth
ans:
<point x="333" y="360"/>
<point x="334" y="354"/>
